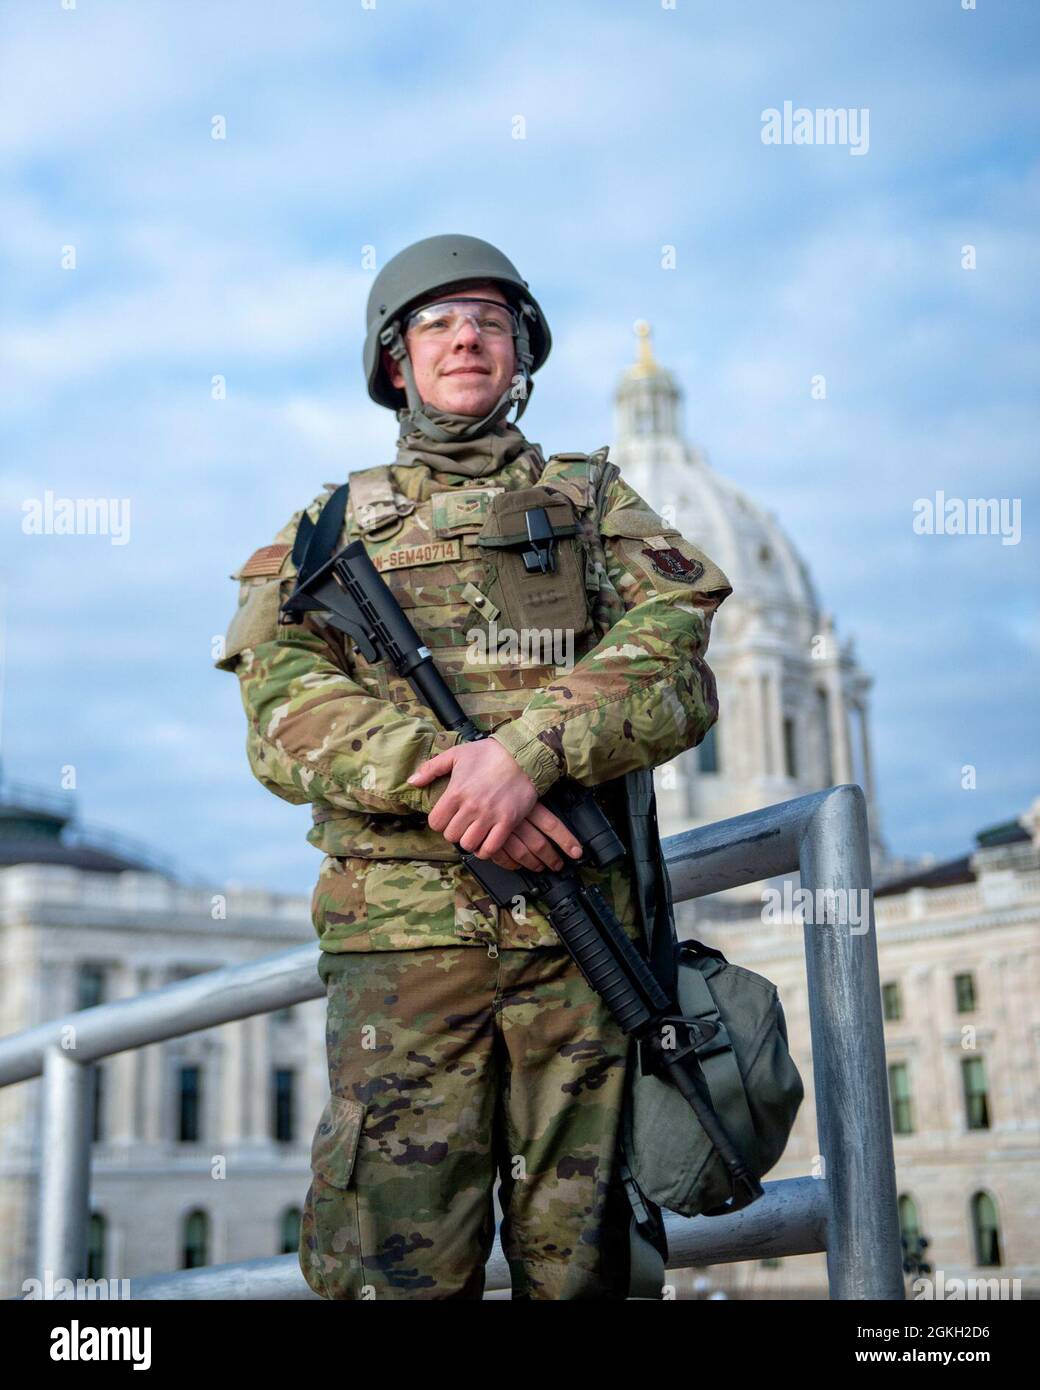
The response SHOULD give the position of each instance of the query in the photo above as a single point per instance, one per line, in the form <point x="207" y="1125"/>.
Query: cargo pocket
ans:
<point x="330" y="1235"/>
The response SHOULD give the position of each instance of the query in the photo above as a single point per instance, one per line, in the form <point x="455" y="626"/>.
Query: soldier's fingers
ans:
<point x="475" y="835"/>
<point x="496" y="840"/>
<point x="457" y="826"/>
<point x="429" y="771"/>
<point x="505" y="860"/>
<point x="544" y="819"/>
<point x="517" y="849"/>
<point x="442" y="813"/>
<point x="538" y="846"/>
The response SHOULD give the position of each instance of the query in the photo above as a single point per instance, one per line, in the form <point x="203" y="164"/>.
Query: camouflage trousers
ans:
<point x="449" y="1067"/>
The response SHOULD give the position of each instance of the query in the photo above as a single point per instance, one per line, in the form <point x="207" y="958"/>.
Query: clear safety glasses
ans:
<point x="444" y="319"/>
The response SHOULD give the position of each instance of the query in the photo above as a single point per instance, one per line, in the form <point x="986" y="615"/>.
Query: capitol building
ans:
<point x="794" y="709"/>
<point x="88" y="919"/>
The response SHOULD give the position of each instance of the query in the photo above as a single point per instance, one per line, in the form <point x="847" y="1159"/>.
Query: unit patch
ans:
<point x="673" y="564"/>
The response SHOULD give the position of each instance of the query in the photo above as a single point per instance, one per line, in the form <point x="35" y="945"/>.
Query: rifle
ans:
<point x="353" y="593"/>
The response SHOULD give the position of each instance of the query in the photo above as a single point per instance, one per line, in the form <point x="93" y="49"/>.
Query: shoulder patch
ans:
<point x="267" y="560"/>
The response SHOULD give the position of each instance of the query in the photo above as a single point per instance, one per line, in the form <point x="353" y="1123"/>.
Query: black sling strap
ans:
<point x="315" y="541"/>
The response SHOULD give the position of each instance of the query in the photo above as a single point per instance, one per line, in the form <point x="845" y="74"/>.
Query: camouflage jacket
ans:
<point x="327" y="728"/>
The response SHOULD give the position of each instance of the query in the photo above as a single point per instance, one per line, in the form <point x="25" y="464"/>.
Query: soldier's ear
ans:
<point x="393" y="371"/>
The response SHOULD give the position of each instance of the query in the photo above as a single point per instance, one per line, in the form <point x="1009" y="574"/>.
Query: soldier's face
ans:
<point x="464" y="372"/>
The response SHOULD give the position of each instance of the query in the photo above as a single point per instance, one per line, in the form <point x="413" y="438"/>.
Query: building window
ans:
<point x="189" y="1104"/>
<point x="986" y="1229"/>
<point x="964" y="989"/>
<point x="283" y="1105"/>
<point x="90" y="985"/>
<point x="913" y="1243"/>
<point x="909" y="1221"/>
<point x="96" y="1246"/>
<point x="892" y="1002"/>
<point x="284" y="1015"/>
<point x="290" y="1230"/>
<point x="708" y="752"/>
<point x="899" y="1091"/>
<point x="976" y="1103"/>
<point x="196" y="1240"/>
<point x="790" y="758"/>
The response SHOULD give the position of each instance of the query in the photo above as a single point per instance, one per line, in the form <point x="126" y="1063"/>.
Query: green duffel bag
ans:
<point x="666" y="1159"/>
<point x="754" y="1085"/>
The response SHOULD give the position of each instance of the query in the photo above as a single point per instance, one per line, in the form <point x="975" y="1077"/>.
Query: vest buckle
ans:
<point x="540" y="551"/>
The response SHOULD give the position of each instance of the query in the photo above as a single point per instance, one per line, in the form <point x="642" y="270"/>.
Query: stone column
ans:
<point x="259" y="1124"/>
<point x="763" y="719"/>
<point x="868" y="765"/>
<point x="776" y="723"/>
<point x="315" y="1088"/>
<point x="841" y="752"/>
<point x="235" y="1072"/>
<point x="151" y="1096"/>
<point x="119" y="1124"/>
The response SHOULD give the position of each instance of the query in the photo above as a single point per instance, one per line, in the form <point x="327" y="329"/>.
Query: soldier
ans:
<point x="463" y="1044"/>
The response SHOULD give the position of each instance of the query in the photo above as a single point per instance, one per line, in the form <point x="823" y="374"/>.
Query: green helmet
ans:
<point x="416" y="273"/>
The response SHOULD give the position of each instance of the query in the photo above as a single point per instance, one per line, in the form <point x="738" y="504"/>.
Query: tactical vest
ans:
<point x="456" y="564"/>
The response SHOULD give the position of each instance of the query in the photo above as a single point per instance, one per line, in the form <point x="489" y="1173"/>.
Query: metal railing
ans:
<point x="850" y="1213"/>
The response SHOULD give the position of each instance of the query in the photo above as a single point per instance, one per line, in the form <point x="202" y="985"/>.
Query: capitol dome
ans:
<point x="794" y="706"/>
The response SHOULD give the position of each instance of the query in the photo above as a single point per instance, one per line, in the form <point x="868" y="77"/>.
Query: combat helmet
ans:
<point x="414" y="274"/>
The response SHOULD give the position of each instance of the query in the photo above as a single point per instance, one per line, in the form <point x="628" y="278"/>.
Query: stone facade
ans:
<point x="988" y="930"/>
<point x="63" y="928"/>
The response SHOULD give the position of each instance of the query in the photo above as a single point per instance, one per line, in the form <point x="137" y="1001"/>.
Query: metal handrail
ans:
<point x="852" y="1213"/>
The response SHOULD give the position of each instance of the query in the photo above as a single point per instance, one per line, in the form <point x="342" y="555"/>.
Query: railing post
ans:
<point x="864" y="1259"/>
<point x="67" y="1103"/>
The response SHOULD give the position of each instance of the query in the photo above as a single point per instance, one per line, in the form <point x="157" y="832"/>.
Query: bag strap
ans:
<point x="647" y="1242"/>
<point x="651" y="888"/>
<point x="719" y="1066"/>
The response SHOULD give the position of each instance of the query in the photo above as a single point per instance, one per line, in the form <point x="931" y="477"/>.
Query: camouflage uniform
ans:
<point x="447" y="1063"/>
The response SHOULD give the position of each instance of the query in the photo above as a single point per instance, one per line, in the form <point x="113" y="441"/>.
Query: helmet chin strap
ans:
<point x="443" y="425"/>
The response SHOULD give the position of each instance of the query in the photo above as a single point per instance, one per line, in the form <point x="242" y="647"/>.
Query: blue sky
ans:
<point x="350" y="127"/>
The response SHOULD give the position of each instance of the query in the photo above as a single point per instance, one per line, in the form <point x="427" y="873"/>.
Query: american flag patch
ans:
<point x="267" y="560"/>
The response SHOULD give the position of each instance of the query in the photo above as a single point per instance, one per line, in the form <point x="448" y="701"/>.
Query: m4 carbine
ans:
<point x="358" y="602"/>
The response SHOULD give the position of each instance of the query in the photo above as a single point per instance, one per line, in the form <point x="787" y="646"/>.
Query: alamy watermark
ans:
<point x="824" y="125"/>
<point x="77" y="516"/>
<point x="819" y="907"/>
<point x="58" y="1289"/>
<point x="537" y="646"/>
<point x="950" y="1290"/>
<point x="971" y="516"/>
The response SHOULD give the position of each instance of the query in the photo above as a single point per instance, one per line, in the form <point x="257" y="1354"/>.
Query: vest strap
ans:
<point x="375" y="503"/>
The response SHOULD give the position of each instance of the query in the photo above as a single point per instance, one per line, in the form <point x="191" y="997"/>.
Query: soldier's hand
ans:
<point x="530" y="845"/>
<point x="487" y="797"/>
